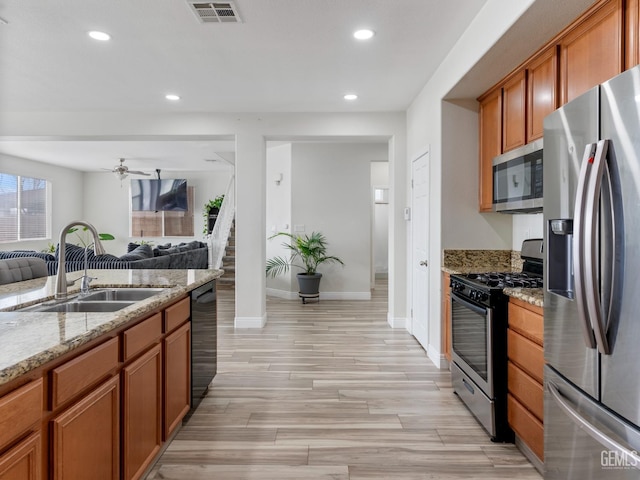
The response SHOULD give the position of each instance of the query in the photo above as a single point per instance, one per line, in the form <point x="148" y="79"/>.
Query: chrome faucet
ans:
<point x="61" y="278"/>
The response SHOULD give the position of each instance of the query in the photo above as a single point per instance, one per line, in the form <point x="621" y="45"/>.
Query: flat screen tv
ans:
<point x="159" y="194"/>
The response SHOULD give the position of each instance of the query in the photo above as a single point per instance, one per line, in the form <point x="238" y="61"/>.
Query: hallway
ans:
<point x="329" y="391"/>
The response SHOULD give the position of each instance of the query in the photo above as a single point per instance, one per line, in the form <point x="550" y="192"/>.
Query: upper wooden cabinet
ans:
<point x="632" y="33"/>
<point x="490" y="144"/>
<point x="591" y="51"/>
<point x="514" y="99"/>
<point x="542" y="91"/>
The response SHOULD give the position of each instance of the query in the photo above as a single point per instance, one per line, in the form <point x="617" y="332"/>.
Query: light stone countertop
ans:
<point x="31" y="339"/>
<point x="534" y="296"/>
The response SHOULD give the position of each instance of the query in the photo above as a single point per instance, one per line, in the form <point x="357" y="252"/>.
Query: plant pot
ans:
<point x="309" y="285"/>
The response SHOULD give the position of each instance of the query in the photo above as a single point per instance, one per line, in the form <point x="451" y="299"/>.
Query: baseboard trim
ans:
<point x="396" y="322"/>
<point x="287" y="295"/>
<point x="250" y="322"/>
<point x="438" y="359"/>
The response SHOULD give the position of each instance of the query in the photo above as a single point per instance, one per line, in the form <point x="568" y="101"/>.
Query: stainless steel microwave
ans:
<point x="517" y="180"/>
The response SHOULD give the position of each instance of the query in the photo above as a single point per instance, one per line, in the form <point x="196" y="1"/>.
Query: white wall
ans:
<point x="106" y="205"/>
<point x="380" y="234"/>
<point x="67" y="191"/>
<point x="430" y="122"/>
<point x="278" y="211"/>
<point x="525" y="227"/>
<point x="332" y="194"/>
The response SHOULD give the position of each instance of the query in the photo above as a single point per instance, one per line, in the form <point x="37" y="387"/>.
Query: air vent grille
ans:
<point x="215" y="12"/>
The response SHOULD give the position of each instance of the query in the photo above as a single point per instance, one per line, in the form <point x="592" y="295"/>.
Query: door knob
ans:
<point x="424" y="263"/>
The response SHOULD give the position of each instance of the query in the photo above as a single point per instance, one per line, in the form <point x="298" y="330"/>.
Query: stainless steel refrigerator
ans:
<point x="592" y="284"/>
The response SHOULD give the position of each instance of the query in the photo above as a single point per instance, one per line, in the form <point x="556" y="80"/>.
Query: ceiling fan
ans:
<point x="121" y="171"/>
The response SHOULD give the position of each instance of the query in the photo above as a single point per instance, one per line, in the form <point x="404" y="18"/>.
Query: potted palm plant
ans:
<point x="307" y="253"/>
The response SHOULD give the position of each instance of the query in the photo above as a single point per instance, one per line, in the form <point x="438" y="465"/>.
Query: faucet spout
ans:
<point x="61" y="277"/>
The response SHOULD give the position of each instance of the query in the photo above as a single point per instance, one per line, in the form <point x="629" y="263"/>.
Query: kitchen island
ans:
<point x="94" y="395"/>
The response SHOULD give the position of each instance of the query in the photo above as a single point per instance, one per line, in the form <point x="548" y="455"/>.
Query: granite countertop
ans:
<point x="31" y="339"/>
<point x="482" y="261"/>
<point x="534" y="296"/>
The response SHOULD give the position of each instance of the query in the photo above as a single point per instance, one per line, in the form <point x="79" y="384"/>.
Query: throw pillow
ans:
<point x="141" y="252"/>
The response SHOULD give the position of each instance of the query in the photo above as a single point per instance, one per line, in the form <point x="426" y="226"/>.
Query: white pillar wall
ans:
<point x="251" y="173"/>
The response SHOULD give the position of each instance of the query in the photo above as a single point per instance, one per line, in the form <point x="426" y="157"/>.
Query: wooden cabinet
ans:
<point x="446" y="316"/>
<point x="591" y="51"/>
<point x="632" y="33"/>
<point x="514" y="99"/>
<point x="177" y="374"/>
<point x="490" y="144"/>
<point x="525" y="401"/>
<point x="23" y="461"/>
<point x="20" y="412"/>
<point x="542" y="91"/>
<point x="141" y="412"/>
<point x="86" y="436"/>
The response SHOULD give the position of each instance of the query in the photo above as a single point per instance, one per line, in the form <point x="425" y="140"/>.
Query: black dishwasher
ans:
<point x="204" y="340"/>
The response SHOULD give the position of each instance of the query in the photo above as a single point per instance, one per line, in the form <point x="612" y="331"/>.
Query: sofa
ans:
<point x="193" y="254"/>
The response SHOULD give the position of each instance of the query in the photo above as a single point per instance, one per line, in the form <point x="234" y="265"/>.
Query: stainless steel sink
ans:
<point x="86" y="307"/>
<point x="119" y="294"/>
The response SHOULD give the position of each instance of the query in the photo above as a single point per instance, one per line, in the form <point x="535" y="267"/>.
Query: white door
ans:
<point x="420" y="248"/>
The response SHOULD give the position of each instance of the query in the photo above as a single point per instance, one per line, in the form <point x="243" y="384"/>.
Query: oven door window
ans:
<point x="469" y="332"/>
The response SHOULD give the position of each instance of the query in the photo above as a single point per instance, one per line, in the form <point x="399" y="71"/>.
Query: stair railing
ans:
<point x="221" y="229"/>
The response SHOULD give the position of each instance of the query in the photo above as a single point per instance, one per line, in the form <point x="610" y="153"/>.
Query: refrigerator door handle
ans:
<point x="578" y="244"/>
<point x="599" y="436"/>
<point x="592" y="290"/>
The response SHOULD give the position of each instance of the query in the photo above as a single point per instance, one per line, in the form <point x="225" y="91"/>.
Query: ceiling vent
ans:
<point x="215" y="12"/>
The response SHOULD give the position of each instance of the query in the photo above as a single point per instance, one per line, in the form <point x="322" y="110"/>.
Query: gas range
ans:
<point x="486" y="287"/>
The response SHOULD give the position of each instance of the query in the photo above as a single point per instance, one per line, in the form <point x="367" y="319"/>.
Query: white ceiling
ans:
<point x="285" y="56"/>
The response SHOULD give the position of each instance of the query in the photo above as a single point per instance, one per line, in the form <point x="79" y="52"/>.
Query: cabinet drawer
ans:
<point x="23" y="461"/>
<point x="528" y="355"/>
<point x="83" y="372"/>
<point x="528" y="427"/>
<point x="527" y="390"/>
<point x="526" y="322"/>
<point x="136" y="339"/>
<point x="19" y="410"/>
<point x="177" y="314"/>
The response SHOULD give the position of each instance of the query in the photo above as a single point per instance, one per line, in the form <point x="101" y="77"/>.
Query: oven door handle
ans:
<point x="471" y="306"/>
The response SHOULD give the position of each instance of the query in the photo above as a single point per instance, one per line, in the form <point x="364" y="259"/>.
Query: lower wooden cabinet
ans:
<point x="525" y="401"/>
<point x="141" y="412"/>
<point x="86" y="436"/>
<point x="177" y="374"/>
<point x="23" y="461"/>
<point x="446" y="316"/>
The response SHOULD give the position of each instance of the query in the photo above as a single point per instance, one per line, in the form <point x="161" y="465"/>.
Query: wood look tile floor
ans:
<point x="329" y="391"/>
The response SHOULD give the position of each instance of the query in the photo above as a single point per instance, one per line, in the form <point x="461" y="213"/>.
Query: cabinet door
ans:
<point x="632" y="33"/>
<point x="177" y="377"/>
<point x="490" y="144"/>
<point x="23" y="461"/>
<point x="446" y="316"/>
<point x="514" y="100"/>
<point x="86" y="437"/>
<point x="542" y="88"/>
<point x="591" y="52"/>
<point x="141" y="409"/>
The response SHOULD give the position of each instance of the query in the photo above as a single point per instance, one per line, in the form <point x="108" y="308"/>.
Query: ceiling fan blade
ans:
<point x="135" y="172"/>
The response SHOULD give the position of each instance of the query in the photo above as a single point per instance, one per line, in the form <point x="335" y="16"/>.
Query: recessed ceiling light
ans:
<point x="364" y="34"/>
<point x="100" y="36"/>
<point x="350" y="96"/>
<point x="171" y="96"/>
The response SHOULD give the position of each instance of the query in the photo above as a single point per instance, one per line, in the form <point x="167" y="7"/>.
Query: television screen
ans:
<point x="159" y="194"/>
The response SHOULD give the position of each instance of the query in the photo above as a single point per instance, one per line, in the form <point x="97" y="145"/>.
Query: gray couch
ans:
<point x="194" y="254"/>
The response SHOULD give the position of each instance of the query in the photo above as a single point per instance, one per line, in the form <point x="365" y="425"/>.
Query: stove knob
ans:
<point x="484" y="297"/>
<point x="473" y="294"/>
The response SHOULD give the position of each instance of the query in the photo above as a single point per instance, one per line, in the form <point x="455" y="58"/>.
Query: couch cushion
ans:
<point x="28" y="253"/>
<point x="139" y="253"/>
<point x="22" y="268"/>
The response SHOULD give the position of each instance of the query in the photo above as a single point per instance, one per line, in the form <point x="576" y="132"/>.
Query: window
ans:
<point x="164" y="224"/>
<point x="24" y="209"/>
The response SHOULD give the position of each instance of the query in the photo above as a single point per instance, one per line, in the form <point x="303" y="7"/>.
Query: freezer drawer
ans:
<point x="582" y="439"/>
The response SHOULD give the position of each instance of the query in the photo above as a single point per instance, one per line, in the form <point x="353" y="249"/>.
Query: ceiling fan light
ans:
<point x="121" y="175"/>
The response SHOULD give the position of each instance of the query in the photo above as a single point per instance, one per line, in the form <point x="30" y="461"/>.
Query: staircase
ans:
<point x="228" y="280"/>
